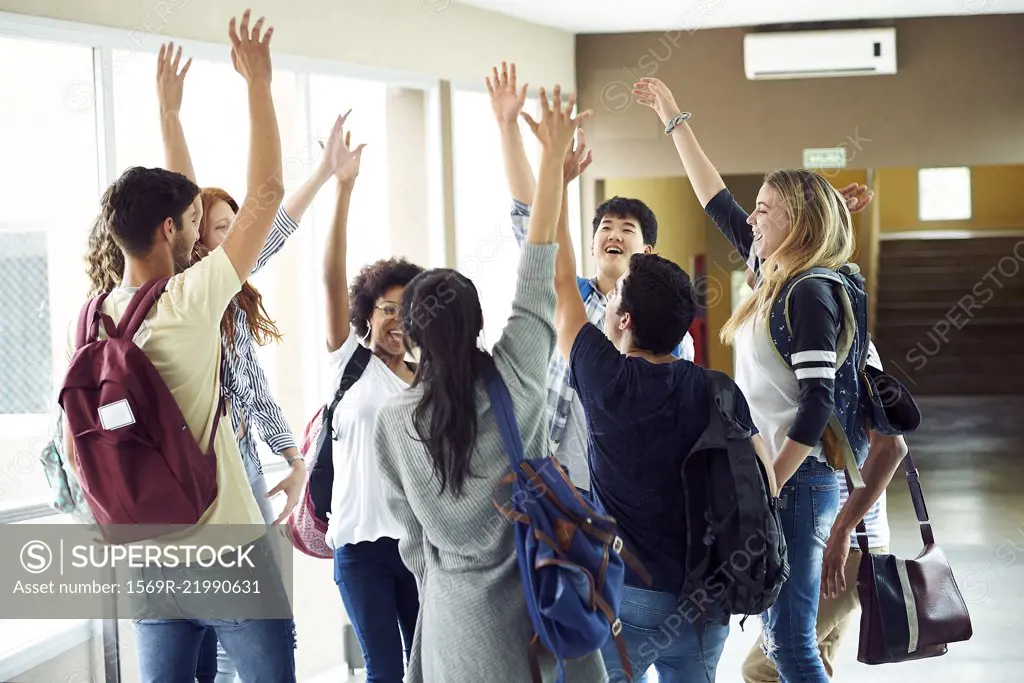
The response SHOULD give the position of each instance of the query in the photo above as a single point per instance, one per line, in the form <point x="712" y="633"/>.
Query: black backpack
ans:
<point x="735" y="552"/>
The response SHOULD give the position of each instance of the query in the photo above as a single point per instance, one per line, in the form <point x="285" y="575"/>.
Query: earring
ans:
<point x="369" y="331"/>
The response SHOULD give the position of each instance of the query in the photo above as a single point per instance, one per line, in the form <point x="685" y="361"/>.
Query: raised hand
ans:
<point x="557" y="125"/>
<point x="339" y="155"/>
<point x="652" y="93"/>
<point x="577" y="159"/>
<point x="857" y="197"/>
<point x="250" y="52"/>
<point x="169" y="81"/>
<point x="506" y="100"/>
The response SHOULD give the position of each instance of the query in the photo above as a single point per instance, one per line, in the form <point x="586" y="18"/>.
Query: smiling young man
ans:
<point x="622" y="227"/>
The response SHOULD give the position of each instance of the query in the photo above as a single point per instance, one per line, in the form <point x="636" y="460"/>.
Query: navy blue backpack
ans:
<point x="570" y="557"/>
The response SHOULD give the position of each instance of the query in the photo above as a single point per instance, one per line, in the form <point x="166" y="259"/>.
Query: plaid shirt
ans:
<point x="560" y="394"/>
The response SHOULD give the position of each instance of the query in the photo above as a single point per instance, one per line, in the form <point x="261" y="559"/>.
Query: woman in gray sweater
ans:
<point x="440" y="454"/>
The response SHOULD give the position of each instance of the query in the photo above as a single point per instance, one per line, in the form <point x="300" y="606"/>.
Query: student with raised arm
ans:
<point x="801" y="229"/>
<point x="153" y="216"/>
<point x="621" y="227"/>
<point x="364" y="326"/>
<point x="441" y="455"/>
<point x="632" y="389"/>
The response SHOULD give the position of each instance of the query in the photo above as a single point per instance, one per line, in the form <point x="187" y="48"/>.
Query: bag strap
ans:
<point x="349" y="376"/>
<point x="504" y="414"/>
<point x="920" y="509"/>
<point x="222" y="402"/>
<point x="89" y="321"/>
<point x="139" y="307"/>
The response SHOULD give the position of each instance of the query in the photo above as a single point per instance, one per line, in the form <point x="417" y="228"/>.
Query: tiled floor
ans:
<point x="969" y="453"/>
<point x="972" y="473"/>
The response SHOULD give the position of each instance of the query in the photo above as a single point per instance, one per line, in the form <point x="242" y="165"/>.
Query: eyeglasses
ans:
<point x="389" y="310"/>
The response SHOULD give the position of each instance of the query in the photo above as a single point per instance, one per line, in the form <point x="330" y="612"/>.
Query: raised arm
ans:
<point x="554" y="132"/>
<point x="507" y="102"/>
<point x="250" y="53"/>
<point x="297" y="204"/>
<point x="702" y="174"/>
<point x="170" y="84"/>
<point x="570" y="314"/>
<point x="346" y="162"/>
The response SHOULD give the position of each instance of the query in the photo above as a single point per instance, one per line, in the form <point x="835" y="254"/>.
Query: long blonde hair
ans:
<point x="821" y="236"/>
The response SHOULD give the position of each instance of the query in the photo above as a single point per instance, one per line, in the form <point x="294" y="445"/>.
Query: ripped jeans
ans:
<point x="808" y="505"/>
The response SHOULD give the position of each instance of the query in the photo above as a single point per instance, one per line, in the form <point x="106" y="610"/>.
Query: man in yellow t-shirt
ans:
<point x="153" y="216"/>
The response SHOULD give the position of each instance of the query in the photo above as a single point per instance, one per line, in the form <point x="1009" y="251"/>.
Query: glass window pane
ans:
<point x="368" y="237"/>
<point x="50" y="197"/>
<point x="214" y="114"/>
<point x="486" y="251"/>
<point x="944" y="194"/>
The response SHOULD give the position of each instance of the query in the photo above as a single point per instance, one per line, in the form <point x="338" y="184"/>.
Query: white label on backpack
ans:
<point x="116" y="415"/>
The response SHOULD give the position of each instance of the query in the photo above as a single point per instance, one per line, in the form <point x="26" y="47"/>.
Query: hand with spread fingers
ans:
<point x="507" y="99"/>
<point x="577" y="159"/>
<point x="857" y="197"/>
<point x="250" y="50"/>
<point x="557" y="125"/>
<point x="170" y="82"/>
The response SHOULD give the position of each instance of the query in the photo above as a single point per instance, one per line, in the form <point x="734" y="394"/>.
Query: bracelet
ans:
<point x="679" y="118"/>
<point x="293" y="460"/>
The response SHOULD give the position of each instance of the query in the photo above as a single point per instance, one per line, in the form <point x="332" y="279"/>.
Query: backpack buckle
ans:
<point x="616" y="628"/>
<point x="617" y="544"/>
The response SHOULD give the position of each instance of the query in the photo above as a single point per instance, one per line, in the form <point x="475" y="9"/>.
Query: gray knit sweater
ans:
<point x="473" y="625"/>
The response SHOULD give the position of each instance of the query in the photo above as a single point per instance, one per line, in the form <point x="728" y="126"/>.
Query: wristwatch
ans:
<point x="679" y="118"/>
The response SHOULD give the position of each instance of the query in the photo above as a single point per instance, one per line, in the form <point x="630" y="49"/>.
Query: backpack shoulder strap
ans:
<point x="139" y="307"/>
<point x="350" y="375"/>
<point x="504" y="414"/>
<point x="89" y="321"/>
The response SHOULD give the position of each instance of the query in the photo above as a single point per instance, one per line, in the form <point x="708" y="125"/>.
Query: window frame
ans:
<point x="103" y="40"/>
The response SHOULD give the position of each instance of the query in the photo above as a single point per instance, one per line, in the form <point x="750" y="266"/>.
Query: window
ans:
<point x="214" y="114"/>
<point x="50" y="195"/>
<point x="330" y="97"/>
<point x="486" y="251"/>
<point x="944" y="194"/>
<point x="368" y="237"/>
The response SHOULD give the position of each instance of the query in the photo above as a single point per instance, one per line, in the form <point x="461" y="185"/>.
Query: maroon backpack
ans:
<point x="135" y="456"/>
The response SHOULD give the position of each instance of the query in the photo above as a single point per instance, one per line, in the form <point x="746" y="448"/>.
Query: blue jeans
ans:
<point x="215" y="666"/>
<point x="382" y="602"/>
<point x="661" y="631"/>
<point x="808" y="505"/>
<point x="263" y="649"/>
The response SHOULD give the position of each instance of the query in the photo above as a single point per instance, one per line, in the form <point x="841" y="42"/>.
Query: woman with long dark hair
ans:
<point x="441" y="456"/>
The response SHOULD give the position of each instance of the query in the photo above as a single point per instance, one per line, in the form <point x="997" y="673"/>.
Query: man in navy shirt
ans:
<point x="644" y="410"/>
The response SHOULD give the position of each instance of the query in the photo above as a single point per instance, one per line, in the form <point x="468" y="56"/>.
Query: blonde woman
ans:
<point x="799" y="341"/>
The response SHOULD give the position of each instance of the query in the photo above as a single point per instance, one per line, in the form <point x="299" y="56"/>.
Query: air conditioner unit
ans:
<point x="820" y="54"/>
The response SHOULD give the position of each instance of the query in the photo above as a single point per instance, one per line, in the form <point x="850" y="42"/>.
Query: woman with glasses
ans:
<point x="379" y="593"/>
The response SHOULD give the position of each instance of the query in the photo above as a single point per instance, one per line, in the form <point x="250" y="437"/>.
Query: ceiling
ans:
<point x="621" y="16"/>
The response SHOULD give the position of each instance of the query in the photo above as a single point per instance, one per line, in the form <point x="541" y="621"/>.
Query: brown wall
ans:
<point x="995" y="200"/>
<point x="957" y="100"/>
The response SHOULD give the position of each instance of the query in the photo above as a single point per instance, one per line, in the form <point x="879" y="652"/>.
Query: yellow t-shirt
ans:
<point x="181" y="337"/>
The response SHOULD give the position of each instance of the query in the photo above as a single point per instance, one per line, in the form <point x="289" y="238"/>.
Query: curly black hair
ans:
<point x="370" y="284"/>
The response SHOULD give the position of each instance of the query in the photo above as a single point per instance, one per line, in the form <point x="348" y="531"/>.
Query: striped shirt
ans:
<point x="560" y="395"/>
<point x="251" y="400"/>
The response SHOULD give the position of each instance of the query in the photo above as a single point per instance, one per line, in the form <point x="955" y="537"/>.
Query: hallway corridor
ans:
<point x="968" y="454"/>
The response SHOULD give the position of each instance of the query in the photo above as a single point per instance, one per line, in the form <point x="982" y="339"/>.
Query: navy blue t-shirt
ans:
<point x="642" y="420"/>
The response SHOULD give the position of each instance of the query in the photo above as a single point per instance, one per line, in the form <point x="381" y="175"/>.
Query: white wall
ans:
<point x="435" y="38"/>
